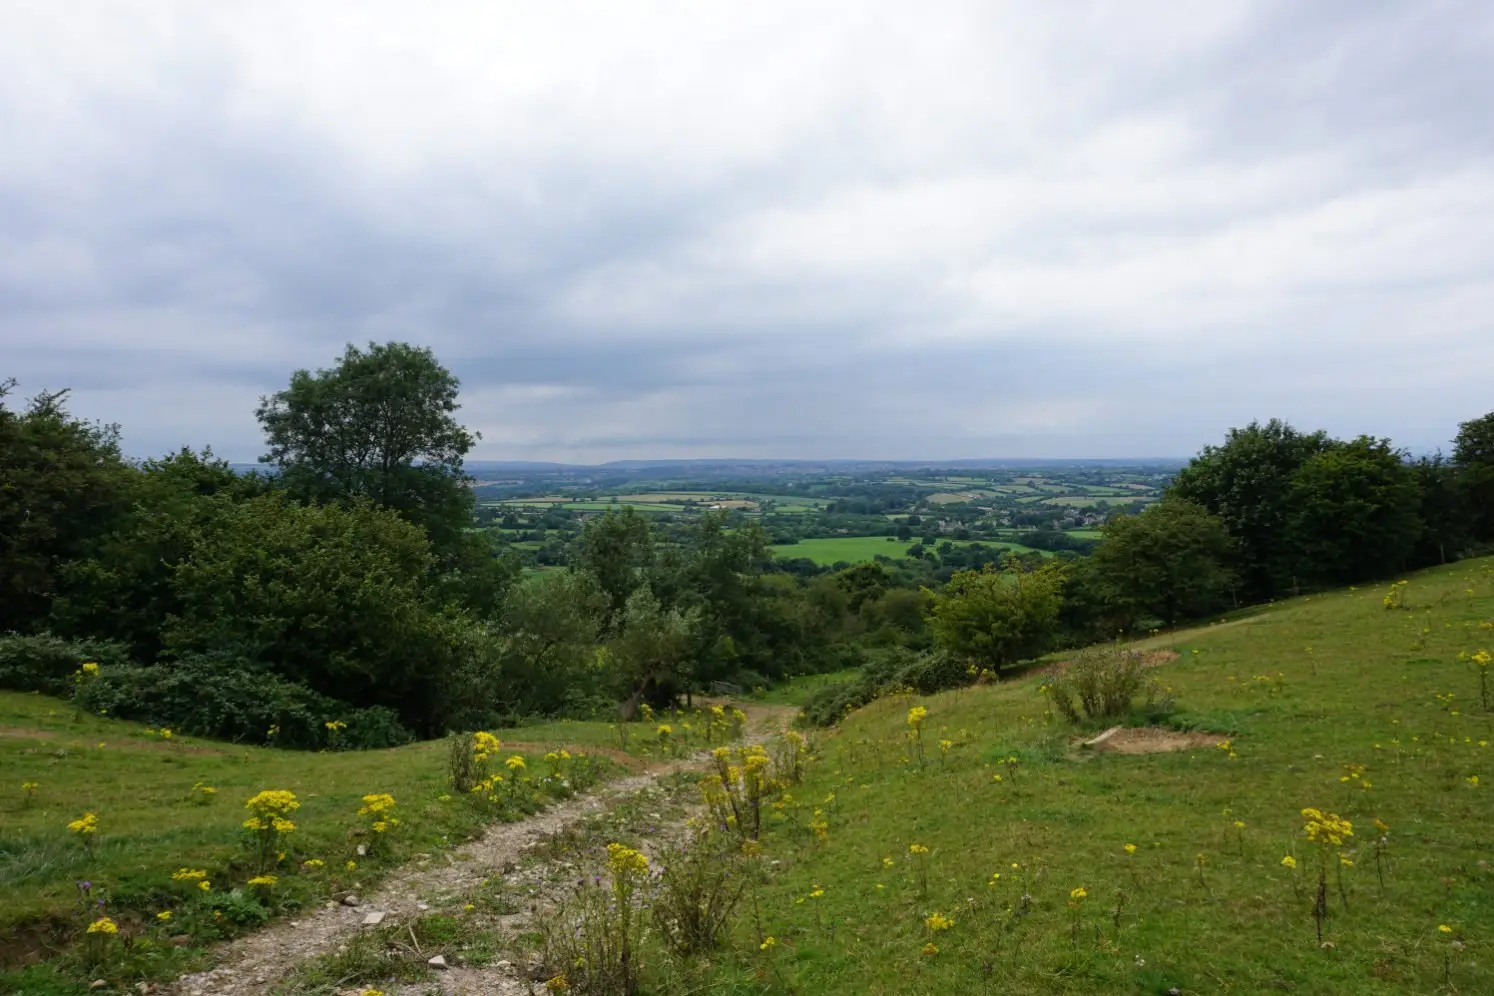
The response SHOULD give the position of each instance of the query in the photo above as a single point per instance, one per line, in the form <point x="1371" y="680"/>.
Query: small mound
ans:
<point x="1150" y="740"/>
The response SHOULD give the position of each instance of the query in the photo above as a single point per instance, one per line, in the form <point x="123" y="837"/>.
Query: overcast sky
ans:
<point x="852" y="229"/>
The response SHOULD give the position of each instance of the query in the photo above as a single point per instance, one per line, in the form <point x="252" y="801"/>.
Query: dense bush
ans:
<point x="229" y="698"/>
<point x="45" y="663"/>
<point x="1103" y="684"/>
<point x="886" y="672"/>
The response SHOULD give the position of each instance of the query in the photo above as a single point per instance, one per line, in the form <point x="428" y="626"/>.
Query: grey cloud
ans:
<point x="981" y="230"/>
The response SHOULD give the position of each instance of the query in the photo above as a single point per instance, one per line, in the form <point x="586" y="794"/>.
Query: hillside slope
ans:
<point x="1333" y="701"/>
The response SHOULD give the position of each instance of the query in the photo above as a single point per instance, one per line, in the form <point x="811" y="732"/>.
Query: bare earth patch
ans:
<point x="1150" y="740"/>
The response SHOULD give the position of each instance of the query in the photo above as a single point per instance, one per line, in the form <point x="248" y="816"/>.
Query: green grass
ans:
<point x="851" y="549"/>
<point x="140" y="786"/>
<point x="1359" y="685"/>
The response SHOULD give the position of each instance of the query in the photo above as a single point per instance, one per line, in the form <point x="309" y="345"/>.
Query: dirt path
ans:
<point x="256" y="964"/>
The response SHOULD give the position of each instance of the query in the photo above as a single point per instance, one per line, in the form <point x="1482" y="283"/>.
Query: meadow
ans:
<point x="856" y="549"/>
<point x="164" y="803"/>
<point x="981" y="849"/>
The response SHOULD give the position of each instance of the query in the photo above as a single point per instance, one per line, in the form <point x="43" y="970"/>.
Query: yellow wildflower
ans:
<point x="103" y="925"/>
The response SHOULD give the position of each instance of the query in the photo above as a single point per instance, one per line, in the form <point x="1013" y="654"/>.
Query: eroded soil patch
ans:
<point x="1150" y="740"/>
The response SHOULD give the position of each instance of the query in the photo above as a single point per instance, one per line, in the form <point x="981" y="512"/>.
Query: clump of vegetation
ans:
<point x="592" y="941"/>
<point x="1104" y="684"/>
<point x="699" y="887"/>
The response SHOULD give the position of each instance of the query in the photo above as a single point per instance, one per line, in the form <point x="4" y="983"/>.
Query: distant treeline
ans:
<point x="348" y="582"/>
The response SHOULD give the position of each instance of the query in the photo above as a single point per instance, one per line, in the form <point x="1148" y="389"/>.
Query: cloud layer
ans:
<point x="777" y="229"/>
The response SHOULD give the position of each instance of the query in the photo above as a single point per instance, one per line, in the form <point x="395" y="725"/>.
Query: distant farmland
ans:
<point x="857" y="549"/>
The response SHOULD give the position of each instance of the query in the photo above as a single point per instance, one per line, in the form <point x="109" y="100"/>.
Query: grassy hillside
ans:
<point x="154" y="818"/>
<point x="1332" y="701"/>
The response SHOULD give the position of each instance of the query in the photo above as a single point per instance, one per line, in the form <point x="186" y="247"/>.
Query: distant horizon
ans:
<point x="915" y="463"/>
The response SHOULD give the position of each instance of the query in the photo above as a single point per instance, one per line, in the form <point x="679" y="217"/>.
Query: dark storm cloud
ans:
<point x="974" y="229"/>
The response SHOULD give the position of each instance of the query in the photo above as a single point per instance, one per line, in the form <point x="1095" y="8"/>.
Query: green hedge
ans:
<point x="47" y="664"/>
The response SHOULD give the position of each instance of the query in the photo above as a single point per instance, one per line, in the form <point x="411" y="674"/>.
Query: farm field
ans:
<point x="856" y="549"/>
<point x="1000" y="856"/>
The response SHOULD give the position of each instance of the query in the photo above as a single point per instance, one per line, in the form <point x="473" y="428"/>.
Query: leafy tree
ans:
<point x="1247" y="483"/>
<point x="998" y="618"/>
<point x="1170" y="562"/>
<point x="1473" y="452"/>
<point x="615" y="549"/>
<point x="121" y="588"/>
<point x="547" y="644"/>
<point x="1353" y="512"/>
<point x="652" y="657"/>
<point x="379" y="425"/>
<point x="331" y="596"/>
<point x="62" y="483"/>
<point x="863" y="583"/>
<point x="1446" y="519"/>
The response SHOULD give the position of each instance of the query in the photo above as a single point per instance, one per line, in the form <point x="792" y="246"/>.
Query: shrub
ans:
<point x="46" y="663"/>
<point x="1102" y="684"/>
<point x="229" y="698"/>
<point x="699" y="886"/>
<point x="927" y="673"/>
<point x="592" y="939"/>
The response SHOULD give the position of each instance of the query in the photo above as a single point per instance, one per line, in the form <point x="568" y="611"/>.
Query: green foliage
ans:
<point x="1445" y="511"/>
<point x="1473" y="453"/>
<point x="47" y="664"/>
<point x="887" y="672"/>
<point x="230" y="698"/>
<point x="121" y="588"/>
<point x="1168" y="563"/>
<point x="699" y="886"/>
<point x="61" y="484"/>
<point x="380" y="426"/>
<point x="650" y="660"/>
<point x="1353" y="513"/>
<point x="998" y="618"/>
<point x="615" y="549"/>
<point x="1247" y="482"/>
<point x="541" y="660"/>
<point x="330" y="596"/>
<point x="1102" y="684"/>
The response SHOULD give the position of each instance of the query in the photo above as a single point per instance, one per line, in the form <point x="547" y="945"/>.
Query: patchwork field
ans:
<point x="857" y="549"/>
